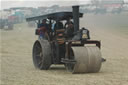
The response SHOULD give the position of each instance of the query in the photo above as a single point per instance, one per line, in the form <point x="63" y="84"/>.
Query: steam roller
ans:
<point x="70" y="46"/>
<point x="87" y="60"/>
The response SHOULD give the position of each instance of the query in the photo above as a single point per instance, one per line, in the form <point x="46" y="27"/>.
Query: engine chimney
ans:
<point x="76" y="17"/>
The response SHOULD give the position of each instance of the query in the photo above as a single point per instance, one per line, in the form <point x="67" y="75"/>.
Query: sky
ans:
<point x="4" y="4"/>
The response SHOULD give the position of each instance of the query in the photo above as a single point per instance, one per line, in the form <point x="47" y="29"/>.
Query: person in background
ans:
<point x="43" y="27"/>
<point x="69" y="28"/>
<point x="69" y="23"/>
<point x="58" y="25"/>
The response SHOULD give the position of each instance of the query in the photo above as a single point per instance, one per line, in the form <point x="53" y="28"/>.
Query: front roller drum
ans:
<point x="88" y="60"/>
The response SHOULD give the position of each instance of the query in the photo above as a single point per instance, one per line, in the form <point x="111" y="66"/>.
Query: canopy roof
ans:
<point x="54" y="16"/>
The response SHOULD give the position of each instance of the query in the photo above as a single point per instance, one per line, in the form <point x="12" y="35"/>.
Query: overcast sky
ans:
<point x="36" y="3"/>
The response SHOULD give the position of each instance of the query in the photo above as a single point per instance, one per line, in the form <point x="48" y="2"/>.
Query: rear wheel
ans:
<point x="42" y="54"/>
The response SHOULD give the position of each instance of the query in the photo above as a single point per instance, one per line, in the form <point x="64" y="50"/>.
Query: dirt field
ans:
<point x="16" y="57"/>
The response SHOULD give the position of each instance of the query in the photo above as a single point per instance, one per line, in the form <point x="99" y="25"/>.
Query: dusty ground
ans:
<point x="17" y="66"/>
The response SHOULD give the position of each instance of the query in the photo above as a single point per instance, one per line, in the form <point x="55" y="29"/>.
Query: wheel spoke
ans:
<point x="39" y="58"/>
<point x="38" y="47"/>
<point x="38" y="52"/>
<point x="40" y="62"/>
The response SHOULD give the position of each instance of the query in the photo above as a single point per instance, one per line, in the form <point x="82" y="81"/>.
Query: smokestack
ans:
<point x="76" y="17"/>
